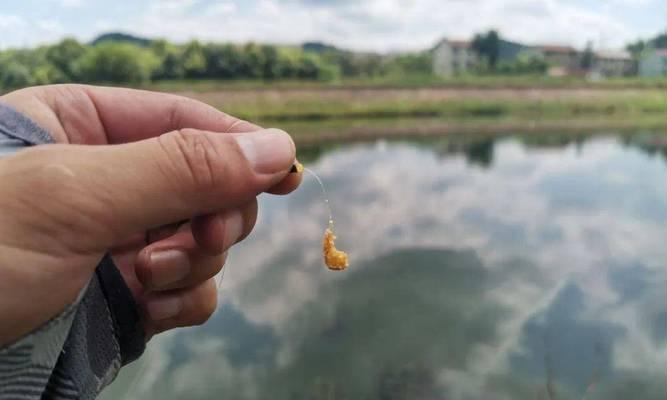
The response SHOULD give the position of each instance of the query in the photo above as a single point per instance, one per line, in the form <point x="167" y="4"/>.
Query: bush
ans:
<point x="14" y="75"/>
<point x="118" y="63"/>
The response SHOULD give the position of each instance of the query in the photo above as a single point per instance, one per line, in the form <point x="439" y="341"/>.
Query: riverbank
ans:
<point x="348" y="131"/>
<point x="413" y="82"/>
<point x="326" y="114"/>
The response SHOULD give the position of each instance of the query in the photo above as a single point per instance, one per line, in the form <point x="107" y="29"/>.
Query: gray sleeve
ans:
<point x="77" y="353"/>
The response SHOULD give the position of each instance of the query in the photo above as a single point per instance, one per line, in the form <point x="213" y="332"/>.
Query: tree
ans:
<point x="588" y="56"/>
<point x="253" y="61"/>
<point x="15" y="75"/>
<point x="194" y="60"/>
<point x="488" y="46"/>
<point x="64" y="56"/>
<point x="270" y="61"/>
<point x="223" y="61"/>
<point x="660" y="41"/>
<point x="636" y="48"/>
<point x="525" y="64"/>
<point x="170" y="60"/>
<point x="118" y="63"/>
<point x="411" y="64"/>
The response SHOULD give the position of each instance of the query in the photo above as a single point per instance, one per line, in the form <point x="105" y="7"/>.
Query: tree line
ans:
<point x="139" y="61"/>
<point x="124" y="59"/>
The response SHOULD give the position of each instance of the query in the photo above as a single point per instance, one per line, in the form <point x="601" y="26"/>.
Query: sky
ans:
<point x="369" y="25"/>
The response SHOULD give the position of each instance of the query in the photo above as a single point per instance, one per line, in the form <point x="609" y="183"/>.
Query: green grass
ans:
<point x="466" y="81"/>
<point x="267" y="111"/>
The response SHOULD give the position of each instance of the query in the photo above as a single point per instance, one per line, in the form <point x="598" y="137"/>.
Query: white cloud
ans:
<point x="50" y="26"/>
<point x="382" y="25"/>
<point x="219" y="9"/>
<point x="11" y="21"/>
<point x="72" y="3"/>
<point x="385" y="25"/>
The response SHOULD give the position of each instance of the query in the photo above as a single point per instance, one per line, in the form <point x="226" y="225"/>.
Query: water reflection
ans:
<point x="504" y="268"/>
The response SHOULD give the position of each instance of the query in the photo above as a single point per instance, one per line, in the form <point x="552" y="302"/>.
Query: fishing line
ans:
<point x="335" y="260"/>
<point x="324" y="193"/>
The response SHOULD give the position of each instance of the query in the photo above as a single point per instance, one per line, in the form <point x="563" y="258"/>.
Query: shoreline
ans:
<point x="434" y="130"/>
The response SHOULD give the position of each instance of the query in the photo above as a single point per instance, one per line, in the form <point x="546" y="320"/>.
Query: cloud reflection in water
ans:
<point x="483" y="273"/>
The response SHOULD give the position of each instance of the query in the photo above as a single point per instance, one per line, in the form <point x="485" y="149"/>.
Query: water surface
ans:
<point x="508" y="268"/>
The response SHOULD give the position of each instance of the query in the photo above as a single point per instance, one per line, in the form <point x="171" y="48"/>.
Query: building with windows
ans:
<point x="453" y="57"/>
<point x="608" y="64"/>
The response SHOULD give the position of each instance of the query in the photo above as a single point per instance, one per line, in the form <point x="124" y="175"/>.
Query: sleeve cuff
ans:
<point x="124" y="311"/>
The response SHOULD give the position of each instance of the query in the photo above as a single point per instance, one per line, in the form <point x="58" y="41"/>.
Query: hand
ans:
<point x="160" y="160"/>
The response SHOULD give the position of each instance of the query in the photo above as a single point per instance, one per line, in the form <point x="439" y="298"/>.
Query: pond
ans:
<point x="513" y="267"/>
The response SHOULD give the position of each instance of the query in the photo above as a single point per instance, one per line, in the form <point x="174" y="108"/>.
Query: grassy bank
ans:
<point x="324" y="113"/>
<point x="411" y="82"/>
<point x="275" y="106"/>
<point x="346" y="130"/>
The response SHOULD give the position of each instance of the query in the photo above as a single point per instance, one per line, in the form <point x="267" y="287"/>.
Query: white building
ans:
<point x="653" y="63"/>
<point x="608" y="64"/>
<point x="453" y="57"/>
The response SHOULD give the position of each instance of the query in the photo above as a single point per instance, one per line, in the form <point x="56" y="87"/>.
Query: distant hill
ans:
<point x="121" y="37"/>
<point x="318" y="47"/>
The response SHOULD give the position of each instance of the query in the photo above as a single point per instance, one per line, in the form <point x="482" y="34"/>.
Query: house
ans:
<point x="608" y="64"/>
<point x="453" y="57"/>
<point x="562" y="60"/>
<point x="653" y="63"/>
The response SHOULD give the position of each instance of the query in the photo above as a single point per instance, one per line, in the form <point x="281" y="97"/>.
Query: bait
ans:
<point x="335" y="260"/>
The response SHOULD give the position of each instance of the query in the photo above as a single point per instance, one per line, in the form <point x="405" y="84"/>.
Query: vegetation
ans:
<point x="488" y="47"/>
<point x="403" y="103"/>
<point x="124" y="59"/>
<point x="636" y="48"/>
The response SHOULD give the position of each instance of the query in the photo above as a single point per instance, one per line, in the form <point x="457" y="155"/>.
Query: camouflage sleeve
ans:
<point x="77" y="353"/>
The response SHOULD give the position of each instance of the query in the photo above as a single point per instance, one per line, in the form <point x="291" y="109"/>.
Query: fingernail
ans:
<point x="167" y="267"/>
<point x="164" y="307"/>
<point x="233" y="228"/>
<point x="297" y="168"/>
<point x="268" y="151"/>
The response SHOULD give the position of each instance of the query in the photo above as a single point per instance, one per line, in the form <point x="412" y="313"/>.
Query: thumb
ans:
<point x="188" y="173"/>
<point x="112" y="192"/>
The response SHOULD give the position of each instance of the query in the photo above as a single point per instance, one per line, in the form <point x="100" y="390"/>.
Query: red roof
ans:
<point x="460" y="44"/>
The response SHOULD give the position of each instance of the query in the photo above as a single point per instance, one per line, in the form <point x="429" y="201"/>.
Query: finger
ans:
<point x="179" y="262"/>
<point x="96" y="115"/>
<point x="179" y="308"/>
<point x="162" y="232"/>
<point x="129" y="115"/>
<point x="212" y="232"/>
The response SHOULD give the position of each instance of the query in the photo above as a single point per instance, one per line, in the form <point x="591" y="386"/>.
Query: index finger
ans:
<point x="128" y="115"/>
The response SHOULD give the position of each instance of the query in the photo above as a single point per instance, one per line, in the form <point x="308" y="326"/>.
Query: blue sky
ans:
<point x="379" y="25"/>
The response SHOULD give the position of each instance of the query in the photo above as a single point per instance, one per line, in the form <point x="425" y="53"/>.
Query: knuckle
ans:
<point x="179" y="107"/>
<point x="197" y="156"/>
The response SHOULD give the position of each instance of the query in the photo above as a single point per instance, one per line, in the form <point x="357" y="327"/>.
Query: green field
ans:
<point x="326" y="112"/>
<point x="412" y="81"/>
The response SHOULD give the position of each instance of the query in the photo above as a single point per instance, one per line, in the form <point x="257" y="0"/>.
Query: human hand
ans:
<point x="130" y="168"/>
